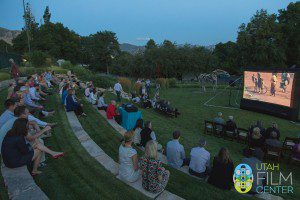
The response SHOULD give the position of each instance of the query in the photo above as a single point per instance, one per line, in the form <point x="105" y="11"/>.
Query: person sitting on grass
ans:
<point x="222" y="170"/>
<point x="64" y="93"/>
<point x="111" y="112"/>
<point x="154" y="176"/>
<point x="175" y="152"/>
<point x="231" y="126"/>
<point x="87" y="91"/>
<point x="10" y="106"/>
<point x="10" y="89"/>
<point x="137" y="131"/>
<point x="93" y="97"/>
<point x="128" y="159"/>
<point x="101" y="103"/>
<point x="200" y="160"/>
<point x="73" y="105"/>
<point x="147" y="134"/>
<point x="254" y="161"/>
<point x="256" y="139"/>
<point x="16" y="152"/>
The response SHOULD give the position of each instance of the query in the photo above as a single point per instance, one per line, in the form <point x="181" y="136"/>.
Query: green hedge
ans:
<point x="4" y="76"/>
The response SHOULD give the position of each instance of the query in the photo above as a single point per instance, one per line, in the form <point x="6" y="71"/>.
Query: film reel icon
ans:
<point x="243" y="178"/>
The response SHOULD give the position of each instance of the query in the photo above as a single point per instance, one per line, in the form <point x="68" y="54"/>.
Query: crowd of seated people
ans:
<point x="22" y="132"/>
<point x="165" y="107"/>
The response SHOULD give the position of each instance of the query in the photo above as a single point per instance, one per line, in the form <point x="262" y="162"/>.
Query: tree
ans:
<point x="103" y="47"/>
<point x="259" y="41"/>
<point x="5" y="47"/>
<point x="30" y="23"/>
<point x="289" y="22"/>
<point x="150" y="44"/>
<point x="47" y="15"/>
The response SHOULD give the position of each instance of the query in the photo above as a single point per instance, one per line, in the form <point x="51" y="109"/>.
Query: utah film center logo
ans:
<point x="243" y="178"/>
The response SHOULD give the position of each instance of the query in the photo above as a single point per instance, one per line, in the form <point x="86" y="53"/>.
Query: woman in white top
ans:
<point x="87" y="91"/>
<point x="101" y="103"/>
<point x="137" y="131"/>
<point x="128" y="169"/>
<point x="92" y="97"/>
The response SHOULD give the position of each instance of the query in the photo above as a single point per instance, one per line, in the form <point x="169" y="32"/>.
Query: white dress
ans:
<point x="126" y="170"/>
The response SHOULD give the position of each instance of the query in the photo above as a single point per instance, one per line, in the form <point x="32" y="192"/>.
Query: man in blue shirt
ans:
<point x="175" y="152"/>
<point x="10" y="106"/>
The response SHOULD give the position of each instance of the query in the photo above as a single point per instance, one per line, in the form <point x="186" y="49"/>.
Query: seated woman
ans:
<point x="155" y="176"/>
<point x="128" y="169"/>
<point x="137" y="131"/>
<point x="93" y="96"/>
<point x="111" y="112"/>
<point x="222" y="170"/>
<point x="101" y="103"/>
<point x="73" y="105"/>
<point x="17" y="152"/>
<point x="256" y="139"/>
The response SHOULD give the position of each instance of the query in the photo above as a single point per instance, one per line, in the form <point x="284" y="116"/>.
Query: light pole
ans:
<point x="27" y="33"/>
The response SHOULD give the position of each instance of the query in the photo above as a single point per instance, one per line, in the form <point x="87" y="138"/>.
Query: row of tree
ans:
<point x="268" y="40"/>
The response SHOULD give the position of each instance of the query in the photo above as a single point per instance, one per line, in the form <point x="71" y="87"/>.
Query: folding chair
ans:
<point x="242" y="135"/>
<point x="208" y="127"/>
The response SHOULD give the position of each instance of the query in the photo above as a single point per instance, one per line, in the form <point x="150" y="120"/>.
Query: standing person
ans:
<point x="118" y="89"/>
<point x="148" y="85"/>
<point x="200" y="160"/>
<point x="155" y="176"/>
<point x="157" y="88"/>
<point x="128" y="159"/>
<point x="222" y="170"/>
<point x="14" y="71"/>
<point x="175" y="152"/>
<point x="273" y="85"/>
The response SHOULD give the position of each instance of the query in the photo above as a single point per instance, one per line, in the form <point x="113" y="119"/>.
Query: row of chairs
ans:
<point x="242" y="136"/>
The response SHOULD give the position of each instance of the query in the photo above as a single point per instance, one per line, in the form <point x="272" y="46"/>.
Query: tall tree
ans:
<point x="289" y="22"/>
<point x="150" y="44"/>
<point x="47" y="15"/>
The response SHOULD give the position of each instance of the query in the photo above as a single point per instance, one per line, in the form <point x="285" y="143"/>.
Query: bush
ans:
<point x="58" y="70"/>
<point x="172" y="82"/>
<point x="4" y="76"/>
<point x="164" y="84"/>
<point x="37" y="58"/>
<point x="67" y="65"/>
<point x="126" y="83"/>
<point x="137" y="87"/>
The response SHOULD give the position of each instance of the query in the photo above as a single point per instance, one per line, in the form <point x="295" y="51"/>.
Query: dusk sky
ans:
<point x="202" y="22"/>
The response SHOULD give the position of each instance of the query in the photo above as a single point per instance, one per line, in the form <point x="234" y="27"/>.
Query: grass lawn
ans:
<point x="190" y="102"/>
<point x="181" y="184"/>
<point x="76" y="175"/>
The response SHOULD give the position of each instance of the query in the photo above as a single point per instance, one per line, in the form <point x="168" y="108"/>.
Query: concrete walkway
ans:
<point x="96" y="152"/>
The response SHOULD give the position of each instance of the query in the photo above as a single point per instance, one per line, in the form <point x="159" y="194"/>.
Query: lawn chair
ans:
<point x="231" y="135"/>
<point x="219" y="129"/>
<point x="242" y="135"/>
<point x="289" y="142"/>
<point x="208" y="127"/>
<point x="273" y="152"/>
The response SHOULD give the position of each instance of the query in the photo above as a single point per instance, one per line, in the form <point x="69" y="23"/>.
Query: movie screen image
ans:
<point x="275" y="88"/>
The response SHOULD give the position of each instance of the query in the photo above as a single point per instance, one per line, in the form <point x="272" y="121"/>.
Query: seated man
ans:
<point x="111" y="112"/>
<point x="200" y="160"/>
<point x="219" y="119"/>
<point x="256" y="139"/>
<point x="87" y="91"/>
<point x="147" y="134"/>
<point x="34" y="94"/>
<point x="93" y="96"/>
<point x="10" y="106"/>
<point x="231" y="126"/>
<point x="175" y="152"/>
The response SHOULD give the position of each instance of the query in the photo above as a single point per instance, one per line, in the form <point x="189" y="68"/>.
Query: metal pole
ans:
<point x="27" y="33"/>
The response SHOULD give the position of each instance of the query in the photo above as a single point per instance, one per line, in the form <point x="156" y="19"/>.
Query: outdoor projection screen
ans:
<point x="270" y="87"/>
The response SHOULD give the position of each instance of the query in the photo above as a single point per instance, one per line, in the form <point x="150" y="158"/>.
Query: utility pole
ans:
<point x="27" y="31"/>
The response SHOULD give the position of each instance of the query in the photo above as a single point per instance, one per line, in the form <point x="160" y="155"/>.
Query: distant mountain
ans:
<point x="130" y="48"/>
<point x="8" y="35"/>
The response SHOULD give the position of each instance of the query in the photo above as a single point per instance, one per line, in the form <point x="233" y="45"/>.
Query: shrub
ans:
<point x="48" y="62"/>
<point x="163" y="82"/>
<point x="126" y="83"/>
<point x="37" y="58"/>
<point x="137" y="87"/>
<point x="58" y="70"/>
<point x="172" y="82"/>
<point x="4" y="76"/>
<point x="67" y="65"/>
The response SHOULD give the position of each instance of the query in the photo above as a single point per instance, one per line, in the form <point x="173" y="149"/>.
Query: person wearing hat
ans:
<point x="128" y="159"/>
<point x="200" y="160"/>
